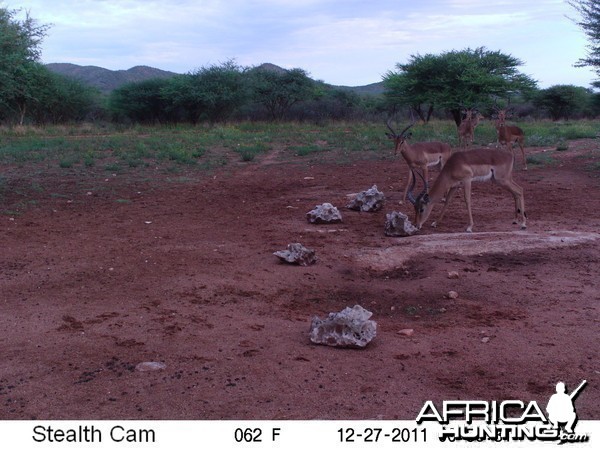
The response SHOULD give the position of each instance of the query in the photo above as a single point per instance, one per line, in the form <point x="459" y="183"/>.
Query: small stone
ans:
<point x="367" y="201"/>
<point x="325" y="213"/>
<point x="406" y="332"/>
<point x="350" y="327"/>
<point x="452" y="295"/>
<point x="296" y="253"/>
<point x="485" y="339"/>
<point x="150" y="366"/>
<point x="453" y="275"/>
<point x="398" y="225"/>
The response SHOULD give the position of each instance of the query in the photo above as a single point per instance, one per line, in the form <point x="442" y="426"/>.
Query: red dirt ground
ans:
<point x="100" y="275"/>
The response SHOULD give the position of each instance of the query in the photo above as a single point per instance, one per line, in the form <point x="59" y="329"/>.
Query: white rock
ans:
<point x="397" y="224"/>
<point x="350" y="327"/>
<point x="296" y="253"/>
<point x="370" y="200"/>
<point x="325" y="213"/>
<point x="149" y="366"/>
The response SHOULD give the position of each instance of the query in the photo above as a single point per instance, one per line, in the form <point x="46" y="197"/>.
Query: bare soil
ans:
<point x="100" y="273"/>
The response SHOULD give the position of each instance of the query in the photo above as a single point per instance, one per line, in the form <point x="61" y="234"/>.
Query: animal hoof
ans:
<point x="523" y="227"/>
<point x="469" y="230"/>
<point x="433" y="224"/>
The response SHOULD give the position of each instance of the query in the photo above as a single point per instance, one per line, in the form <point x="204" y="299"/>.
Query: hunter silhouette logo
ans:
<point x="507" y="420"/>
<point x="561" y="409"/>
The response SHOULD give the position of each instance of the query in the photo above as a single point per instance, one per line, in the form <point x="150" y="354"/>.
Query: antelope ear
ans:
<point x="390" y="136"/>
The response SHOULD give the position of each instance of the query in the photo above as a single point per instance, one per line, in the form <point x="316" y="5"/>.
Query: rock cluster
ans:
<point x="397" y="224"/>
<point x="350" y="327"/>
<point x="325" y="213"/>
<point x="296" y="253"/>
<point x="367" y="201"/>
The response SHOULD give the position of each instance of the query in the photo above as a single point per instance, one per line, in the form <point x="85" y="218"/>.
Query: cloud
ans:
<point x="342" y="42"/>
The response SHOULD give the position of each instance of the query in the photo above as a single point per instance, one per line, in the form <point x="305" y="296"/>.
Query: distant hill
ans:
<point x="270" y="67"/>
<point x="369" y="89"/>
<point x="108" y="80"/>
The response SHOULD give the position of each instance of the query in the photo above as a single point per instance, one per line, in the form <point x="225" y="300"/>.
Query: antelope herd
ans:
<point x="462" y="167"/>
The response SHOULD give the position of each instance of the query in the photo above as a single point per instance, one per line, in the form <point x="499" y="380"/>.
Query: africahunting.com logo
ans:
<point x="509" y="420"/>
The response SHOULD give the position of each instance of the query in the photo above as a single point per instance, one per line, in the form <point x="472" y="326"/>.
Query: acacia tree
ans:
<point x="211" y="93"/>
<point x="413" y="85"/>
<point x="590" y="23"/>
<point x="70" y="99"/>
<point x="564" y="101"/>
<point x="142" y="101"/>
<point x="278" y="91"/>
<point x="455" y="80"/>
<point x="20" y="71"/>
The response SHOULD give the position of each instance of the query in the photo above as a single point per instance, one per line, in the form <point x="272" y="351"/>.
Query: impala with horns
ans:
<point x="463" y="168"/>
<point x="508" y="134"/>
<point x="420" y="155"/>
<point x="466" y="129"/>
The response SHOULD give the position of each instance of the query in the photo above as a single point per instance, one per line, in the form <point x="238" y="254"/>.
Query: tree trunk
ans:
<point x="22" y="111"/>
<point x="429" y="112"/>
<point x="457" y="116"/>
<point x="417" y="109"/>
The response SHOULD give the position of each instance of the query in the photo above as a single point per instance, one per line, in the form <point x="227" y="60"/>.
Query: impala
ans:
<point x="508" y="134"/>
<point x="466" y="129"/>
<point x="464" y="168"/>
<point x="420" y="155"/>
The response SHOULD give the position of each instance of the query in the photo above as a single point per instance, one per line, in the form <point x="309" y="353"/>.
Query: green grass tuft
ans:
<point x="248" y="152"/>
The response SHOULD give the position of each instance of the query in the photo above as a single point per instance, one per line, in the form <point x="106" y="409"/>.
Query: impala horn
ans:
<point x="390" y="127"/>
<point x="410" y="195"/>
<point x="425" y="185"/>
<point x="402" y="132"/>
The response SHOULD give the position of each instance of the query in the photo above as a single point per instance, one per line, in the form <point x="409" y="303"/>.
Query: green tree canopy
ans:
<point x="211" y="93"/>
<point x="564" y="101"/>
<point x="142" y="101"/>
<point x="590" y="23"/>
<point x="279" y="91"/>
<point x="20" y="42"/>
<point x="454" y="80"/>
<point x="27" y="88"/>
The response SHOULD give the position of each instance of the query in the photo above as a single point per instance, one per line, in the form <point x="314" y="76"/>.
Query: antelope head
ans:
<point x="501" y="114"/>
<point x="398" y="138"/>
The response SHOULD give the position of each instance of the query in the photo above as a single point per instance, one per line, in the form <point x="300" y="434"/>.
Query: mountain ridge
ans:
<point x="107" y="80"/>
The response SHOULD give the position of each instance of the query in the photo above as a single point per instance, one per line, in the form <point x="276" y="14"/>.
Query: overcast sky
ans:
<point x="351" y="42"/>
